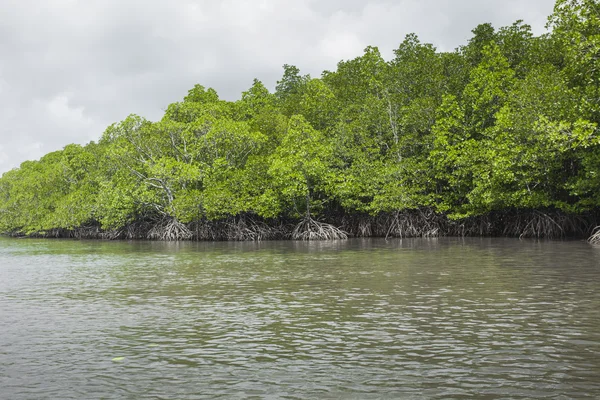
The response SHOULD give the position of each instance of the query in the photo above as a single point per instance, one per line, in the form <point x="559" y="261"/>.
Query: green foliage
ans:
<point x="301" y="165"/>
<point x="517" y="45"/>
<point x="199" y="94"/>
<point x="289" y="89"/>
<point x="451" y="158"/>
<point x="57" y="191"/>
<point x="576" y="28"/>
<point x="509" y="121"/>
<point x="483" y="36"/>
<point x="491" y="82"/>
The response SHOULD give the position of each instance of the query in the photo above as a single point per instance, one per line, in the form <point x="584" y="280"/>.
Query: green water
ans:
<point x="358" y="319"/>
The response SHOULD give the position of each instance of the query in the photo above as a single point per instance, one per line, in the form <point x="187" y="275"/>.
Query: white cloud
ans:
<point x="340" y="45"/>
<point x="62" y="113"/>
<point x="70" y="68"/>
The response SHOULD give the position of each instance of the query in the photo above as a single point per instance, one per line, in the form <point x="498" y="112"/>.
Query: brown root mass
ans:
<point x="405" y="224"/>
<point x="310" y="229"/>
<point x="595" y="237"/>
<point x="170" y="229"/>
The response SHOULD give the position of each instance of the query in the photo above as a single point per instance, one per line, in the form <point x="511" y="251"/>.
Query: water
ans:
<point x="360" y="319"/>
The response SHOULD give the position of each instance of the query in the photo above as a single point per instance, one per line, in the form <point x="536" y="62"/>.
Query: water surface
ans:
<point x="359" y="319"/>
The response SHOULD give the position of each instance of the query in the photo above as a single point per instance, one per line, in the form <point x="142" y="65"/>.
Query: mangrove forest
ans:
<point x="499" y="137"/>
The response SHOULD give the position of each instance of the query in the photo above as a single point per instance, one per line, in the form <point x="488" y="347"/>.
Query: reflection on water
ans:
<point x="359" y="319"/>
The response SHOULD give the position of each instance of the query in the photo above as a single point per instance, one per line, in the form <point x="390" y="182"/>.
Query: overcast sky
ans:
<point x="70" y="68"/>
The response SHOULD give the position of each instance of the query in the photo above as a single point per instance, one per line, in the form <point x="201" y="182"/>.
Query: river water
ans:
<point x="445" y="318"/>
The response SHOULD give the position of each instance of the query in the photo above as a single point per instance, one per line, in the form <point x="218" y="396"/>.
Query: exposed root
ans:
<point x="595" y="238"/>
<point x="421" y="223"/>
<point x="309" y="229"/>
<point x="15" y="234"/>
<point x="138" y="230"/>
<point x="207" y="231"/>
<point x="88" y="232"/>
<point x="112" y="234"/>
<point x="542" y="225"/>
<point x="247" y="229"/>
<point x="474" y="226"/>
<point x="401" y="224"/>
<point x="240" y="228"/>
<point x="426" y="223"/>
<point x="364" y="228"/>
<point x="56" y="233"/>
<point x="170" y="229"/>
<point x="537" y="224"/>
<point x="135" y="230"/>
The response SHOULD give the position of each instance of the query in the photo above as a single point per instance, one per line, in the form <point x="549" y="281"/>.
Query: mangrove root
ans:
<point x="309" y="229"/>
<point x="170" y="229"/>
<point x="595" y="238"/>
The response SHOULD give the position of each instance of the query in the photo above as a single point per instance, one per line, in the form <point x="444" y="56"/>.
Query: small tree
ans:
<point x="300" y="168"/>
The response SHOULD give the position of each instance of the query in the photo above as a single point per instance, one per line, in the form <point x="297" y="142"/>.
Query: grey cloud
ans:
<point x="69" y="68"/>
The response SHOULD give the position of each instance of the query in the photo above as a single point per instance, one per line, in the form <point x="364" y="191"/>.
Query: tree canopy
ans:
<point x="506" y="123"/>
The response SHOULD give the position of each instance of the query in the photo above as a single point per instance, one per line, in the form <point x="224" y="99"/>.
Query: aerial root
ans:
<point x="310" y="229"/>
<point x="170" y="229"/>
<point x="419" y="223"/>
<point x="595" y="238"/>
<point x="88" y="232"/>
<point x="551" y="224"/>
<point x="537" y="224"/>
<point x="241" y="228"/>
<point x="247" y="229"/>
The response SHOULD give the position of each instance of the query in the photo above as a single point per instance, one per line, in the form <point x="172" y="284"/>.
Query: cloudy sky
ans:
<point x="69" y="68"/>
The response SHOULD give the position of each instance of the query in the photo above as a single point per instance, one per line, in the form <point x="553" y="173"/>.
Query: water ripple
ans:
<point x="440" y="319"/>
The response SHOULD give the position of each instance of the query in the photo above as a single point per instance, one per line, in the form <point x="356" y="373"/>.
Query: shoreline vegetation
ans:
<point x="497" y="138"/>
<point x="411" y="224"/>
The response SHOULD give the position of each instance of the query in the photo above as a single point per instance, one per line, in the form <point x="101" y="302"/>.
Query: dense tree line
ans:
<point x="499" y="136"/>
